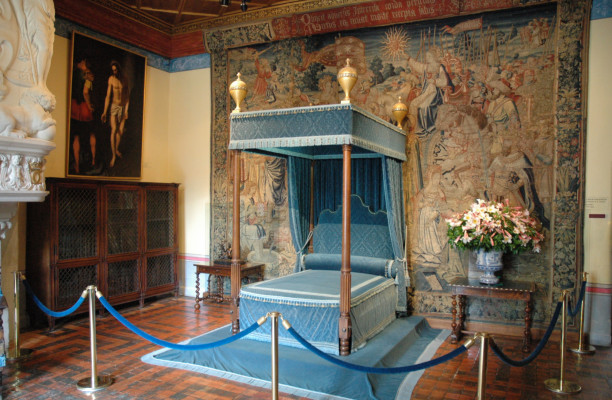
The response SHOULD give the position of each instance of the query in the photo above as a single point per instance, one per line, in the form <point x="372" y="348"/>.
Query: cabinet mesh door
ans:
<point x="77" y="223"/>
<point x="123" y="278"/>
<point x="122" y="218"/>
<point x="71" y="283"/>
<point x="160" y="217"/>
<point x="160" y="270"/>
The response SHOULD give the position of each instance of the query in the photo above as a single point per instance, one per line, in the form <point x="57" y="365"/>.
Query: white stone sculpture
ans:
<point x="30" y="118"/>
<point x="27" y="128"/>
<point x="26" y="47"/>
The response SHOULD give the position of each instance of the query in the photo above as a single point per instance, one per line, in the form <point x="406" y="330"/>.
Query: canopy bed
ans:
<point x="345" y="189"/>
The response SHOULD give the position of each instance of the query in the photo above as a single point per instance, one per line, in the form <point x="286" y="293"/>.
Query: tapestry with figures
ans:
<point x="495" y="110"/>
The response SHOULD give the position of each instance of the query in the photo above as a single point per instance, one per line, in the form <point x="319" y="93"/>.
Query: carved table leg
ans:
<point x="461" y="316"/>
<point x="219" y="289"/>
<point x="51" y="322"/>
<point x="527" y="338"/>
<point x="454" y="323"/>
<point x="208" y="291"/>
<point x="197" y="299"/>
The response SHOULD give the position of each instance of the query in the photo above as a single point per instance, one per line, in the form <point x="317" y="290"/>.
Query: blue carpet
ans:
<point x="406" y="341"/>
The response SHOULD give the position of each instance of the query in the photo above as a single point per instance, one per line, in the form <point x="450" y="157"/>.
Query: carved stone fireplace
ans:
<point x="27" y="129"/>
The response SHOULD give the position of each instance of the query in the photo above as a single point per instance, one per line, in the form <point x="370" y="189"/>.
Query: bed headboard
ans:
<point x="370" y="235"/>
<point x="371" y="250"/>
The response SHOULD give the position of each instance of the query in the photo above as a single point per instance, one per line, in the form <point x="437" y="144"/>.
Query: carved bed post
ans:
<point x="344" y="324"/>
<point x="238" y="91"/>
<point x="235" y="269"/>
<point x="311" y="246"/>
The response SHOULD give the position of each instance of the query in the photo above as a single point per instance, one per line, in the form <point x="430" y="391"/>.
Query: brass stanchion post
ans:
<point x="94" y="382"/>
<point x="274" y="379"/>
<point x="482" y="364"/>
<point x="583" y="347"/>
<point x="17" y="353"/>
<point x="561" y="385"/>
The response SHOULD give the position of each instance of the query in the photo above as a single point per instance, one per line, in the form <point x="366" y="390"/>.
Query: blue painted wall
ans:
<point x="601" y="9"/>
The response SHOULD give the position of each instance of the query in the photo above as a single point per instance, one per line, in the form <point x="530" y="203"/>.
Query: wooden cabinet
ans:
<point x="119" y="236"/>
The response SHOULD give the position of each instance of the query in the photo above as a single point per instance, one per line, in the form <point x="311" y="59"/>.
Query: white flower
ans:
<point x="470" y="219"/>
<point x="453" y="222"/>
<point x="466" y="239"/>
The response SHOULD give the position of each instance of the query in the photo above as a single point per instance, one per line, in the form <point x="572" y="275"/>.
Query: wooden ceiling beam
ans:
<point x="181" y="7"/>
<point x="172" y="11"/>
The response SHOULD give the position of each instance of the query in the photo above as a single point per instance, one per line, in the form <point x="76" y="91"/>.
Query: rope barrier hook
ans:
<point x="94" y="382"/>
<point x="469" y="342"/>
<point x="285" y="323"/>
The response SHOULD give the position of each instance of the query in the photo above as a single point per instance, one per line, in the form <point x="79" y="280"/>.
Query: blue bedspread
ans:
<point x="310" y="302"/>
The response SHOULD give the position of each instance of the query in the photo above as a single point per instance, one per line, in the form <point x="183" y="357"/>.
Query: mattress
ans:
<point x="310" y="302"/>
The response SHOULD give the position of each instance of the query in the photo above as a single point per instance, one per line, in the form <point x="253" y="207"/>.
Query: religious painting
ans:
<point x="106" y="110"/>
<point x="490" y="98"/>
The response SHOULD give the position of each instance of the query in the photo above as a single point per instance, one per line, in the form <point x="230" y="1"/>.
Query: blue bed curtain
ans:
<point x="378" y="181"/>
<point x="299" y="204"/>
<point x="394" y="198"/>
<point x="366" y="182"/>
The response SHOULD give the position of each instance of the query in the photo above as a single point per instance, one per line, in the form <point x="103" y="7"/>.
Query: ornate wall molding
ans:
<point x="22" y="163"/>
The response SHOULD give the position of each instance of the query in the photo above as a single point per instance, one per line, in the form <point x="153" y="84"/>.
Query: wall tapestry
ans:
<point x="495" y="112"/>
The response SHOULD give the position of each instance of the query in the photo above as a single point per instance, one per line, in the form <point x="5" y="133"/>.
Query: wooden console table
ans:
<point x="220" y="269"/>
<point x="462" y="287"/>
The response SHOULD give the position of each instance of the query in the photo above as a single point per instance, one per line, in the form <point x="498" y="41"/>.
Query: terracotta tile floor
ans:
<point x="62" y="358"/>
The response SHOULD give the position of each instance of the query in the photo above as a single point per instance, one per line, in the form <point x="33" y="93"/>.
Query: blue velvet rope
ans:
<point x="572" y="312"/>
<point x="376" y="370"/>
<point x="171" y="345"/>
<point x="56" y="314"/>
<point x="537" y="350"/>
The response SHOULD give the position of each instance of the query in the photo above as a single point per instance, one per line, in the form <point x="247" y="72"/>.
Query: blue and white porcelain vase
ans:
<point x="489" y="262"/>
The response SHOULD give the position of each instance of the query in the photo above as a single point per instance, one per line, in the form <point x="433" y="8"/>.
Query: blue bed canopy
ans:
<point x="332" y="151"/>
<point x="314" y="136"/>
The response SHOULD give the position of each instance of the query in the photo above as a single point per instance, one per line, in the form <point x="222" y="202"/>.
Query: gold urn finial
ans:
<point x="400" y="110"/>
<point x="347" y="77"/>
<point x="238" y="91"/>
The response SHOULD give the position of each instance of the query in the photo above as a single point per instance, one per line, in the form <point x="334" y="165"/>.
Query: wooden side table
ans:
<point x="462" y="287"/>
<point x="220" y="269"/>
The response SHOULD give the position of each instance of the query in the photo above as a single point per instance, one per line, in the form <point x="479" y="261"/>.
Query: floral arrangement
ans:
<point x="494" y="226"/>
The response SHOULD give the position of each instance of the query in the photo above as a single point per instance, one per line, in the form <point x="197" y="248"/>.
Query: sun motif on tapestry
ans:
<point x="395" y="42"/>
